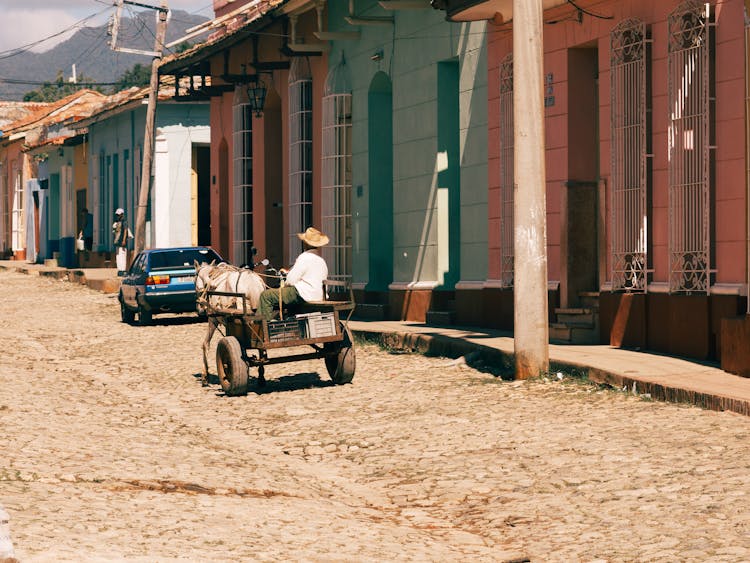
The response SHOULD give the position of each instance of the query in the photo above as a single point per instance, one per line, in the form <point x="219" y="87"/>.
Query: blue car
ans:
<point x="162" y="280"/>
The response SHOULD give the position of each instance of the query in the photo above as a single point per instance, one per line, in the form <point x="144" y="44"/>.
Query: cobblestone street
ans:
<point x="112" y="450"/>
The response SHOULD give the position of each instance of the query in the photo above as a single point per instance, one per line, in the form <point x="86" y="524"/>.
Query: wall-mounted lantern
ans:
<point x="256" y="94"/>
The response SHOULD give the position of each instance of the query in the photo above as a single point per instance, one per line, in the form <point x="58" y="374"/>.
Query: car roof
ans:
<point x="177" y="249"/>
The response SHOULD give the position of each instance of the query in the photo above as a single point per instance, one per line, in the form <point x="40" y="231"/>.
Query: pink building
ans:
<point x="647" y="170"/>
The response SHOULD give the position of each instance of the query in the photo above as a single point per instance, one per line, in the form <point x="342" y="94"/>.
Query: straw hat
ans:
<point x="313" y="237"/>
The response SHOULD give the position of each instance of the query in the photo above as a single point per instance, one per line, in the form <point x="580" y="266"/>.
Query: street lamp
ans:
<point x="256" y="94"/>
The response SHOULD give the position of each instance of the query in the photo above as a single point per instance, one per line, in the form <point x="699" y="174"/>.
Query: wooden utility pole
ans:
<point x="531" y="324"/>
<point x="148" y="137"/>
<point x="153" y="94"/>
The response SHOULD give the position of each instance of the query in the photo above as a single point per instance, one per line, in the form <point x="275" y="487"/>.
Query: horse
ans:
<point x="223" y="277"/>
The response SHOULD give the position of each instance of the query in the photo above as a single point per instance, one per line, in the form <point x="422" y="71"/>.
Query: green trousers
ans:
<point x="269" y="299"/>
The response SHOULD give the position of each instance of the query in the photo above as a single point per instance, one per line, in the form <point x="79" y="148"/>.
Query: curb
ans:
<point x="669" y="394"/>
<point x="104" y="285"/>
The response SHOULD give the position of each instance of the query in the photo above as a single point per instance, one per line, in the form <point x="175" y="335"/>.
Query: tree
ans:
<point x="53" y="91"/>
<point x="182" y="47"/>
<point x="138" y="76"/>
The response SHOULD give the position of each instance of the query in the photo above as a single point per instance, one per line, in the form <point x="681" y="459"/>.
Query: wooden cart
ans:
<point x="322" y="325"/>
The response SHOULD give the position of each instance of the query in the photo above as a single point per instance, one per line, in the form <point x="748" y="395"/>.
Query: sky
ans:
<point x="26" y="21"/>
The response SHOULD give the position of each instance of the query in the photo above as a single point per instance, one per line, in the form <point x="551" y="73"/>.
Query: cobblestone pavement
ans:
<point x="111" y="450"/>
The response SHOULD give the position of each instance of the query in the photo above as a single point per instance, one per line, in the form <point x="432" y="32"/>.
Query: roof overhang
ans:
<point x="499" y="11"/>
<point x="107" y="113"/>
<point x="196" y="61"/>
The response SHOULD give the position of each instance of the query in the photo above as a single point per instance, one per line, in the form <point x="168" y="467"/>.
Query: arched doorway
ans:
<point x="380" y="180"/>
<point x="224" y="209"/>
<point x="273" y="181"/>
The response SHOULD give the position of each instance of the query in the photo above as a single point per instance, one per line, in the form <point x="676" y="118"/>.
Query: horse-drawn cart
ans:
<point x="322" y="325"/>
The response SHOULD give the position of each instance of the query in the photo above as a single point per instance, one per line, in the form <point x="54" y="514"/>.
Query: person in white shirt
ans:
<point x="304" y="282"/>
<point x="120" y="235"/>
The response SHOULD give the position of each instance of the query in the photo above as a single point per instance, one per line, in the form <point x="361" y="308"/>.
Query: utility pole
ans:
<point x="153" y="94"/>
<point x="531" y="324"/>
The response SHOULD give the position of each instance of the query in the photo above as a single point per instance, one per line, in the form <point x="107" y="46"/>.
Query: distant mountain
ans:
<point x="89" y="50"/>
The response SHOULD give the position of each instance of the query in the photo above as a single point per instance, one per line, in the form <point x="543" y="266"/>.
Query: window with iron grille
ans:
<point x="506" y="172"/>
<point x="4" y="213"/>
<point x="67" y="202"/>
<point x="337" y="173"/>
<point x="690" y="144"/>
<point x="630" y="153"/>
<point x="300" y="153"/>
<point x="17" y="213"/>
<point x="96" y="201"/>
<point x="137" y="168"/>
<point x="242" y="191"/>
<point x="106" y="212"/>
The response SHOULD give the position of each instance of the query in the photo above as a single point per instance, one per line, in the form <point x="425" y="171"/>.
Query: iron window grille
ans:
<point x="300" y="153"/>
<point x="96" y="203"/>
<point x="17" y="226"/>
<point x="630" y="155"/>
<point x="506" y="172"/>
<point x="337" y="173"/>
<point x="690" y="144"/>
<point x="242" y="189"/>
<point x="4" y="212"/>
<point x="67" y="203"/>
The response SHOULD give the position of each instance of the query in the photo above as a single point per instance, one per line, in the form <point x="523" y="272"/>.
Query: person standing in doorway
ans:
<point x="87" y="229"/>
<point x="304" y="282"/>
<point x="120" y="236"/>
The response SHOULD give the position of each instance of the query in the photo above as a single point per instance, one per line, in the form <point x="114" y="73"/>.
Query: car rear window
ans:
<point x="181" y="258"/>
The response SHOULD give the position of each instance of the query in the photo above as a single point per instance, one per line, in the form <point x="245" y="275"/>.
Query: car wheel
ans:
<point x="144" y="316"/>
<point x="126" y="315"/>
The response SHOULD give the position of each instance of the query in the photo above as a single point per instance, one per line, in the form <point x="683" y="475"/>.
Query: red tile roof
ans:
<point x="79" y="103"/>
<point x="15" y="111"/>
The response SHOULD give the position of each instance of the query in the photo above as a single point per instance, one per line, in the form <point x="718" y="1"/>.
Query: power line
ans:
<point x="52" y="82"/>
<point x="588" y="13"/>
<point x="24" y="48"/>
<point x="99" y="42"/>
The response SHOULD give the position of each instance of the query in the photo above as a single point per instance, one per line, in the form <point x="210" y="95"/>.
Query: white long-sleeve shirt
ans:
<point x="307" y="276"/>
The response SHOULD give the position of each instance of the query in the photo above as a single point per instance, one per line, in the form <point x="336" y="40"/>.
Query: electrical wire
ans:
<point x="592" y="14"/>
<point x="24" y="48"/>
<point x="195" y="12"/>
<point x="99" y="40"/>
<point x="40" y="83"/>
<point x="137" y="17"/>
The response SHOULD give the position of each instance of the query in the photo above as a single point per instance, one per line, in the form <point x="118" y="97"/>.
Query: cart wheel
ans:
<point x="342" y="361"/>
<point x="144" y="316"/>
<point x="261" y="376"/>
<point x="126" y="314"/>
<point x="230" y="366"/>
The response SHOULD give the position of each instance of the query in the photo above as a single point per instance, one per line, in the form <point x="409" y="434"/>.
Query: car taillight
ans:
<point x="157" y="280"/>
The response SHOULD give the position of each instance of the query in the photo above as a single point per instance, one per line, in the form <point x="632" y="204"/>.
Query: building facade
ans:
<point x="177" y="206"/>
<point x="647" y="191"/>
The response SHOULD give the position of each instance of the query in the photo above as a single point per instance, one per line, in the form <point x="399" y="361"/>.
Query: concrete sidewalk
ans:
<point x="662" y="377"/>
<point x="100" y="279"/>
